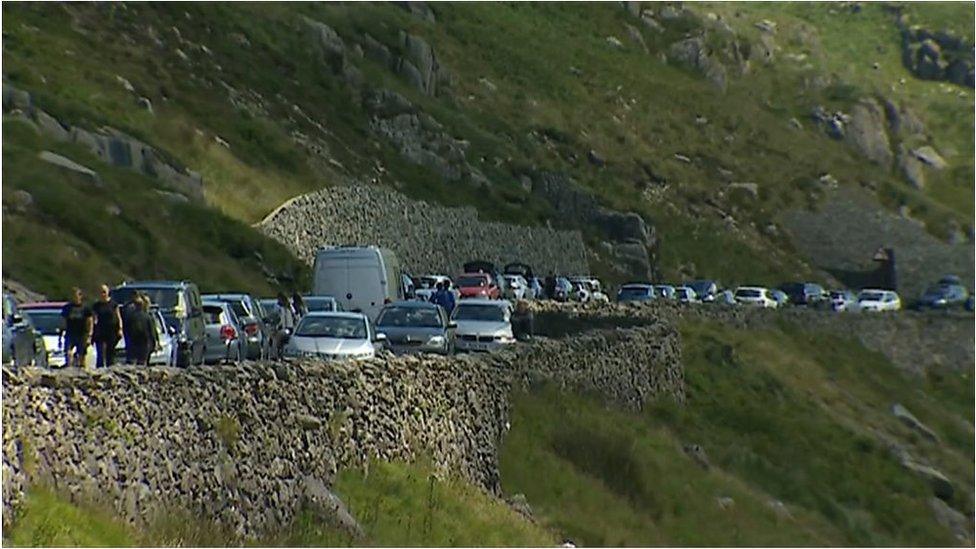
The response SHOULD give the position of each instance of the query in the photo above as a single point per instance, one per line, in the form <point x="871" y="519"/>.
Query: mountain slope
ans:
<point x="671" y="112"/>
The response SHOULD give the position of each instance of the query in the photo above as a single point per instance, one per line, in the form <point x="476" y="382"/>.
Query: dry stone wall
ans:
<point x="245" y="446"/>
<point x="427" y="238"/>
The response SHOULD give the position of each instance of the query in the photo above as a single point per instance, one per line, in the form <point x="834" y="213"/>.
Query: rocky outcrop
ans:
<point x="248" y="445"/>
<point x="419" y="138"/>
<point x="867" y="132"/>
<point x="426" y="238"/>
<point x="110" y="145"/>
<point x="937" y="55"/>
<point x="633" y="240"/>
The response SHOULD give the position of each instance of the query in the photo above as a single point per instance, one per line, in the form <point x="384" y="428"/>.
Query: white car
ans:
<point x="756" y="296"/>
<point x="46" y="318"/>
<point x="876" y="301"/>
<point x="334" y="336"/>
<point x="516" y="287"/>
<point x="482" y="324"/>
<point x="686" y="294"/>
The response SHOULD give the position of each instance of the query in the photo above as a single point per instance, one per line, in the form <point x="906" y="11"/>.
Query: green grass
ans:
<point x="782" y="414"/>
<point x="398" y="504"/>
<point x="67" y="237"/>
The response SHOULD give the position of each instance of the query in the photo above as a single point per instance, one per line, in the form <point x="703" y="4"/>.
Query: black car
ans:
<point x="416" y="327"/>
<point x="804" y="293"/>
<point x="947" y="293"/>
<point x="181" y="306"/>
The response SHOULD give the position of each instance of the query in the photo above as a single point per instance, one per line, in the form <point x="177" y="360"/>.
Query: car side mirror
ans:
<point x="380" y="338"/>
<point x="16" y="318"/>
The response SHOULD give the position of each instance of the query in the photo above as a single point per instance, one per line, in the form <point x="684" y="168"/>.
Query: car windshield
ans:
<point x="489" y="313"/>
<point x="412" y="317"/>
<point x="332" y="326"/>
<point x="471" y="281"/>
<point x="748" y="293"/>
<point x="214" y="314"/>
<point x="325" y="304"/>
<point x="701" y="286"/>
<point x="48" y="322"/>
<point x="871" y="296"/>
<point x="164" y="298"/>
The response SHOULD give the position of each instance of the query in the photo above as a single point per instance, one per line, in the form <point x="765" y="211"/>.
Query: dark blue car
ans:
<point x="947" y="293"/>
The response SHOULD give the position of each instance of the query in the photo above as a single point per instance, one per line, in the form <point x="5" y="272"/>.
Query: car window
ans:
<point x="48" y="322"/>
<point x="488" y="313"/>
<point x="214" y="314"/>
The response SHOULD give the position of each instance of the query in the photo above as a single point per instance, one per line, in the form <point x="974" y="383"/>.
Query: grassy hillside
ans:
<point x="244" y="95"/>
<point x="783" y="416"/>
<point x="80" y="232"/>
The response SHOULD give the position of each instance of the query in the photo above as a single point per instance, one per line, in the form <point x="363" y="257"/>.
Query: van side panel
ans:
<point x="358" y="278"/>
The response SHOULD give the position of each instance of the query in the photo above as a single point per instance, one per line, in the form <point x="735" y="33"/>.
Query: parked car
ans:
<point x="44" y="333"/>
<point x="563" y="290"/>
<point x="538" y="288"/>
<point x="427" y="285"/>
<point x="804" y="293"/>
<point x="360" y="278"/>
<point x="486" y="267"/>
<point x="416" y="327"/>
<point x="665" y="291"/>
<point x="685" y="294"/>
<point x="947" y="293"/>
<point x="334" y="336"/>
<point x="756" y="296"/>
<point x="842" y="300"/>
<point x="779" y="296"/>
<point x="579" y="292"/>
<point x="181" y="306"/>
<point x="225" y="342"/>
<point x="254" y="320"/>
<point x="165" y="353"/>
<point x="475" y="285"/>
<point x="877" y="300"/>
<point x="483" y="324"/>
<point x="706" y="290"/>
<point x="636" y="292"/>
<point x="322" y="304"/>
<point x="516" y="287"/>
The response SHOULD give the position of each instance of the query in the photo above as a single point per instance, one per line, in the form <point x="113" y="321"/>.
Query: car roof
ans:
<point x="42" y="305"/>
<point x="336" y="314"/>
<point x="751" y="288"/>
<point x="484" y="301"/>
<point x="225" y="296"/>
<point x="637" y="285"/>
<point x="412" y="304"/>
<point x="319" y="298"/>
<point x="153" y="284"/>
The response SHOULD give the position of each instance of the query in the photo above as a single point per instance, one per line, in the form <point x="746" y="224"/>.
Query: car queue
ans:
<point x="362" y="303"/>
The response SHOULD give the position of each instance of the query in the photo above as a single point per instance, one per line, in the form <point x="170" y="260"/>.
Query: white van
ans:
<point x="360" y="279"/>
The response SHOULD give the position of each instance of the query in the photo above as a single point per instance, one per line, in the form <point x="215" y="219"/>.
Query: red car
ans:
<point x="477" y="285"/>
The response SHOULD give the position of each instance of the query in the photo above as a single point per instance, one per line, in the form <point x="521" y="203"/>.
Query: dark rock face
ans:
<point x="937" y="55"/>
<point x="248" y="445"/>
<point x="632" y="238"/>
<point x="112" y="146"/>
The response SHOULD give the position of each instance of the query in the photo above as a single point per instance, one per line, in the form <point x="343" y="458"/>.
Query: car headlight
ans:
<point x="505" y="339"/>
<point x="436" y="341"/>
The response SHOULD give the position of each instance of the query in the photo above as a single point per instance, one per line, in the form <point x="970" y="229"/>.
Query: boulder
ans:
<point x="911" y="168"/>
<point x="635" y="36"/>
<point x="420" y="10"/>
<point x="930" y="157"/>
<point x="697" y="454"/>
<point x="959" y="524"/>
<point x="376" y="51"/>
<point x="866" y="132"/>
<point x="911" y="421"/>
<point x="327" y="39"/>
<point x="20" y="200"/>
<point x="941" y="485"/>
<point x="419" y="64"/>
<point x="70" y="165"/>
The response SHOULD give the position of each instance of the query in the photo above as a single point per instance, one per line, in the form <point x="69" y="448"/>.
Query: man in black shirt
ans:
<point x="108" y="328"/>
<point x="142" y="334"/>
<point x="76" y="321"/>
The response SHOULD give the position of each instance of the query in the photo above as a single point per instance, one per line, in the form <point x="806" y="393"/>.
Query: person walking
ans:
<point x="142" y="334"/>
<point x="286" y="322"/>
<point x="550" y="286"/>
<point x="446" y="297"/>
<point x="127" y="309"/>
<point x="523" y="321"/>
<point x="108" y="328"/>
<point x="76" y="323"/>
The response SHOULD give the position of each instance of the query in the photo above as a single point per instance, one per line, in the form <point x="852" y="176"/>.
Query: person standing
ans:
<point x="128" y="308"/>
<point x="108" y="328"/>
<point x="142" y="334"/>
<point x="286" y="322"/>
<point x="76" y="322"/>
<point x="298" y="306"/>
<point x="550" y="286"/>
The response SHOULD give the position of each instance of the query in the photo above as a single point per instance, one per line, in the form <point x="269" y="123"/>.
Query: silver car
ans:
<point x="253" y="318"/>
<point x="416" y="327"/>
<point x="334" y="336"/>
<point x="483" y="324"/>
<point x="223" y="333"/>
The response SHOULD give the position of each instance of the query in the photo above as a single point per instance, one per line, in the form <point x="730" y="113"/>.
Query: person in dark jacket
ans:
<point x="298" y="306"/>
<point x="127" y="309"/>
<point x="108" y="328"/>
<point x="142" y="334"/>
<point x="77" y="324"/>
<point x="550" y="286"/>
